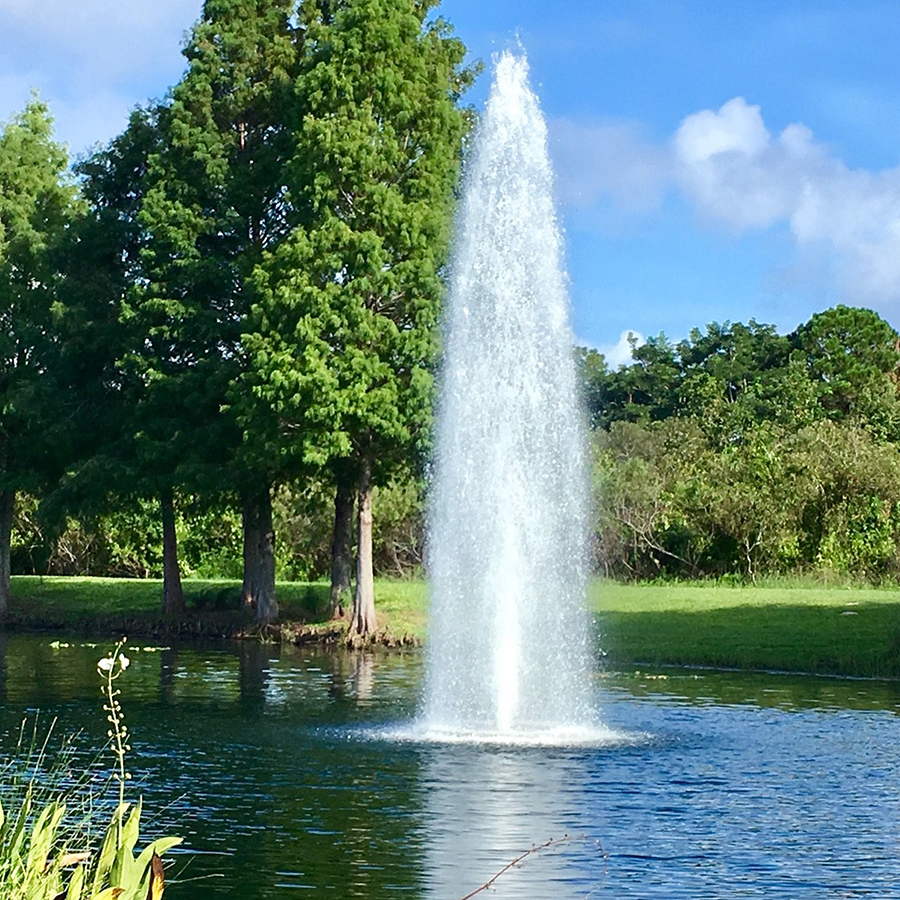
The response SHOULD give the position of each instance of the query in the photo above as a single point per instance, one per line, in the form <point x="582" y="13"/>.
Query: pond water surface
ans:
<point x="283" y="771"/>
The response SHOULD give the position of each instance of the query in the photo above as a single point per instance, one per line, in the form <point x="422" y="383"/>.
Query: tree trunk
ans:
<point x="258" y="589"/>
<point x="266" y="604"/>
<point x="173" y="595"/>
<point x="341" y="548"/>
<point x="7" y="514"/>
<point x="363" y="620"/>
<point x="4" y="669"/>
<point x="250" y="523"/>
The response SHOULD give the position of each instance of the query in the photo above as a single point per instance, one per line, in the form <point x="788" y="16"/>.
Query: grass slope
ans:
<point x="837" y="631"/>
<point x="59" y="603"/>
<point x="820" y="630"/>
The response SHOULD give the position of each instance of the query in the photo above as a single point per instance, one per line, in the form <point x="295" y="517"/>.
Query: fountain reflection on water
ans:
<point x="508" y="650"/>
<point x="473" y="832"/>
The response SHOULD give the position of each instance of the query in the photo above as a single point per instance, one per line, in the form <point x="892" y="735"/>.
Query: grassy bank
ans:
<point x="120" y="604"/>
<point x="823" y="630"/>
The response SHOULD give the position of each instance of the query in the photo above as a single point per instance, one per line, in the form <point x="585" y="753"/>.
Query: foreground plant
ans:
<point x="36" y="859"/>
<point x="36" y="866"/>
<point x="111" y="668"/>
<point x="27" y="870"/>
<point x="117" y="873"/>
<point x="33" y="783"/>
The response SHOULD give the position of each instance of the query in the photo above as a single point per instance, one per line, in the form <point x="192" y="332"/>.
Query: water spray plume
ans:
<point x="508" y="643"/>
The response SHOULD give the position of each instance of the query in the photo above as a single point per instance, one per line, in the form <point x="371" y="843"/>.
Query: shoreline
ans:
<point x="230" y="628"/>
<point x="841" y="632"/>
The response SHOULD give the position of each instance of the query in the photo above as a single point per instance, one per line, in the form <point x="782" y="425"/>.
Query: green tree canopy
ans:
<point x="344" y="336"/>
<point x="38" y="200"/>
<point x="853" y="357"/>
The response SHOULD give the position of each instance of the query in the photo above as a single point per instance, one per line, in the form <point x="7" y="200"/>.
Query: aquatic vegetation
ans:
<point x="46" y="852"/>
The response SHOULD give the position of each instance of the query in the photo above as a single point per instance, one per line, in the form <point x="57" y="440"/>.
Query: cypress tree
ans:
<point x="38" y="201"/>
<point x="344" y="332"/>
<point x="215" y="202"/>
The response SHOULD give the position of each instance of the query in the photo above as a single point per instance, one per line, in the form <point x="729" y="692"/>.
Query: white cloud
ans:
<point x="619" y="354"/>
<point x="735" y="128"/>
<point x="739" y="175"/>
<point x="736" y="173"/>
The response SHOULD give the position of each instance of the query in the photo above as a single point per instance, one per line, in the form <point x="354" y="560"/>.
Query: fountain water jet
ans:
<point x="508" y="645"/>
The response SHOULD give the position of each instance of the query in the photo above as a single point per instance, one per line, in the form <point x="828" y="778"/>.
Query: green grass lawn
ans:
<point x="842" y="631"/>
<point x="824" y="630"/>
<point x="59" y="602"/>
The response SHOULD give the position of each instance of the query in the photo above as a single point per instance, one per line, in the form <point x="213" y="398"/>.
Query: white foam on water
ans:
<point x="566" y="738"/>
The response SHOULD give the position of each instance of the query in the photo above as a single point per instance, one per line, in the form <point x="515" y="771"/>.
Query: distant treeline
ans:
<point x="742" y="452"/>
<point x="737" y="452"/>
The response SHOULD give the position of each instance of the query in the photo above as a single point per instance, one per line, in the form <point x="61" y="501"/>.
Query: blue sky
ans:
<point x="716" y="159"/>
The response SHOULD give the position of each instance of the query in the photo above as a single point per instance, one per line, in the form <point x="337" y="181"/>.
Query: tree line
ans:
<point x="237" y="298"/>
<point x="222" y="327"/>
<point x="742" y="452"/>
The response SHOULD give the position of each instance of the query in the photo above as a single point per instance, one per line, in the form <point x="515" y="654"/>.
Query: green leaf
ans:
<point x="111" y="893"/>
<point x="17" y="839"/>
<point x="159" y="847"/>
<point x="42" y="835"/>
<point x="76" y="883"/>
<point x="108" y="851"/>
<point x="124" y="872"/>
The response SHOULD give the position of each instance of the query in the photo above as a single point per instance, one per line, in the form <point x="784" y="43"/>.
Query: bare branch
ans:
<point x="515" y="863"/>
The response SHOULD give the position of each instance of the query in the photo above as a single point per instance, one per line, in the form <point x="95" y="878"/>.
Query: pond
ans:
<point x="287" y="773"/>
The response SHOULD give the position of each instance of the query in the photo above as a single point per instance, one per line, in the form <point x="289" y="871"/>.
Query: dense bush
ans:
<point x="743" y="452"/>
<point x="127" y="542"/>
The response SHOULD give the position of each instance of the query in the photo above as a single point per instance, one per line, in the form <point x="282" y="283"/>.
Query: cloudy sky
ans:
<point x="716" y="159"/>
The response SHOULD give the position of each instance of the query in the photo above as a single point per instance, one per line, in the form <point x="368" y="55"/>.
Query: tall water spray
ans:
<point x="508" y="649"/>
